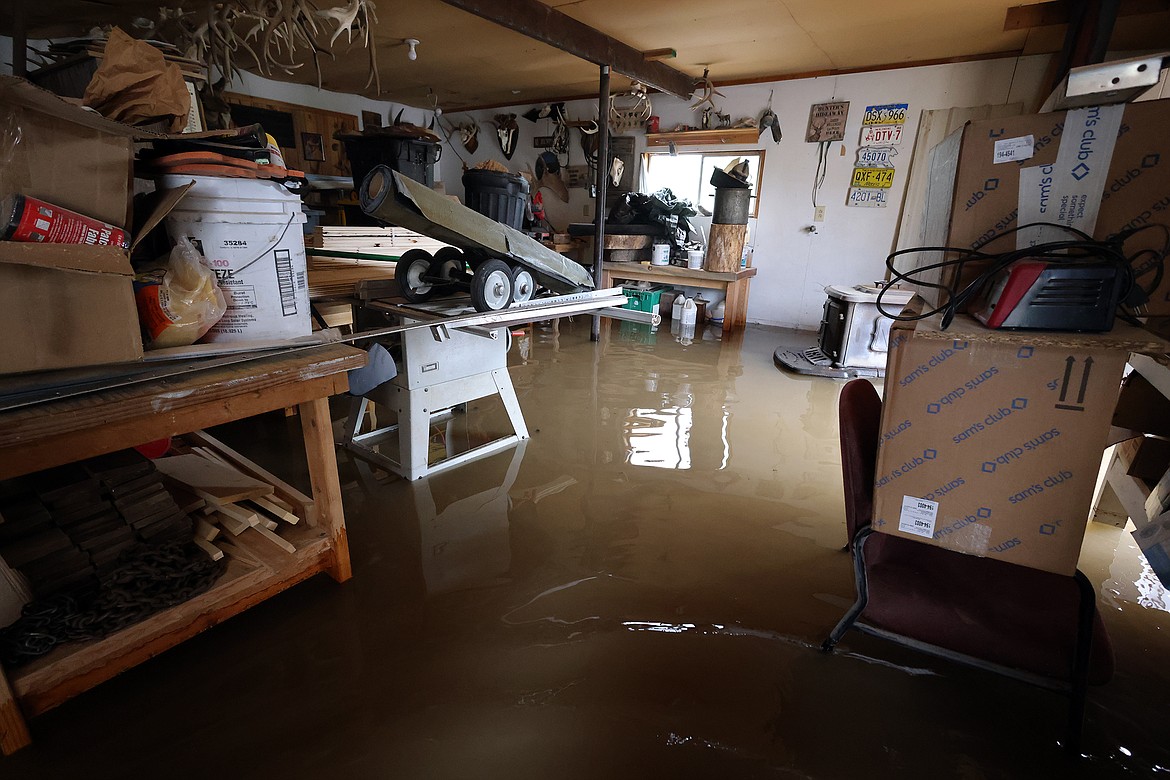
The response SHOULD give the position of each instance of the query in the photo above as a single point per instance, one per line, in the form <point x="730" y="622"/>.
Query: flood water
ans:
<point x="639" y="590"/>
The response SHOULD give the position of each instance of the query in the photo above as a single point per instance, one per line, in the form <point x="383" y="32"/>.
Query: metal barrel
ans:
<point x="732" y="206"/>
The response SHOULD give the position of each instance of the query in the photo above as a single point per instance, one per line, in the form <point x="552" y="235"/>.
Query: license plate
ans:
<point x="876" y="156"/>
<point x="881" y="135"/>
<point x="865" y="198"/>
<point x="889" y="114"/>
<point x="873" y="178"/>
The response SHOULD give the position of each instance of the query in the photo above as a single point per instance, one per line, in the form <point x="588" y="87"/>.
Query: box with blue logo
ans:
<point x="991" y="440"/>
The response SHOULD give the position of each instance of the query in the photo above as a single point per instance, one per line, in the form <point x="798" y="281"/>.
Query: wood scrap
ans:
<point x="214" y="552"/>
<point x="266" y="523"/>
<point x="283" y="544"/>
<point x="232" y="525"/>
<point x="299" y="504"/>
<point x="276" y="511"/>
<point x="205" y="530"/>
<point x="210" y="480"/>
<point x="239" y="514"/>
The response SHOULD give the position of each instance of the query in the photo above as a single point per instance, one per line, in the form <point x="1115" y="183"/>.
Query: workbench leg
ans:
<point x="731" y="305"/>
<point x="13" y="730"/>
<point x="317" y="428"/>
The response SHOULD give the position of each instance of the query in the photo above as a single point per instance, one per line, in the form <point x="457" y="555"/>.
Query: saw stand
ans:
<point x="442" y="368"/>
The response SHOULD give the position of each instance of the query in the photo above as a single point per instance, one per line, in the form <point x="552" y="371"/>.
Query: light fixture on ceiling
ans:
<point x="411" y="52"/>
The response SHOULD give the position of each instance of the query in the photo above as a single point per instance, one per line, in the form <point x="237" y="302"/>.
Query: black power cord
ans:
<point x="1080" y="249"/>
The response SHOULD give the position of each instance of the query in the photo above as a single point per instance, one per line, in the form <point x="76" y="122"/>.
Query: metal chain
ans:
<point x="148" y="579"/>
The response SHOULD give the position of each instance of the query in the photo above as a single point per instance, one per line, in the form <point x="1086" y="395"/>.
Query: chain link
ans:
<point x="148" y="579"/>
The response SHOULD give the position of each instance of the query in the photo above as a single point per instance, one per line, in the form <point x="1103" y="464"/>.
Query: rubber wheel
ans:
<point x="523" y="284"/>
<point x="448" y="264"/>
<point x="410" y="270"/>
<point x="491" y="286"/>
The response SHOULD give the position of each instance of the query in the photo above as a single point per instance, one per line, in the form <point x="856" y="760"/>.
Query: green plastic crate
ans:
<point x="643" y="300"/>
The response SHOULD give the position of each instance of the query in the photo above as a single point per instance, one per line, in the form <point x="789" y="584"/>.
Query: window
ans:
<point x="688" y="175"/>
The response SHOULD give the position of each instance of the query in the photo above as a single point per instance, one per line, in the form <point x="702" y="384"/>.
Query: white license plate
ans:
<point x="881" y="135"/>
<point x="867" y="198"/>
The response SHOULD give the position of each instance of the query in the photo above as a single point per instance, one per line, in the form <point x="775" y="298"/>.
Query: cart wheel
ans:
<point x="523" y="284"/>
<point x="448" y="264"/>
<point x="491" y="286"/>
<point x="412" y="267"/>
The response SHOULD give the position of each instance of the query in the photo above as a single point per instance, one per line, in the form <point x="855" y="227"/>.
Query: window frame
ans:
<point x="760" y="154"/>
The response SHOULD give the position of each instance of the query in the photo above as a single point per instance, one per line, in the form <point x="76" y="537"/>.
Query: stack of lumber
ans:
<point x="371" y="240"/>
<point x="69" y="51"/>
<point x="234" y="496"/>
<point x="338" y="277"/>
<point x="64" y="528"/>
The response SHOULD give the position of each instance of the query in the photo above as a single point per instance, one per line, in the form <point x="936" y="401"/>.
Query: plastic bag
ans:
<point x="178" y="298"/>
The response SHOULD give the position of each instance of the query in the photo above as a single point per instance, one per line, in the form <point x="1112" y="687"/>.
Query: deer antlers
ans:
<point x="282" y="31"/>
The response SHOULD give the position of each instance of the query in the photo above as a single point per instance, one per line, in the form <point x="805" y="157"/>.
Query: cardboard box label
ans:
<point x="1014" y="149"/>
<point x="918" y="516"/>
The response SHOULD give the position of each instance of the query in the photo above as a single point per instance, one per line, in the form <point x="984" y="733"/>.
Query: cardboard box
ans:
<point x="992" y="440"/>
<point x="1103" y="169"/>
<point x="1153" y="539"/>
<point x="60" y="305"/>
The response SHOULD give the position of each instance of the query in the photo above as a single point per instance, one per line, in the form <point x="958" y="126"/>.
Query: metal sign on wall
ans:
<point x="873" y="173"/>
<point x="826" y="122"/>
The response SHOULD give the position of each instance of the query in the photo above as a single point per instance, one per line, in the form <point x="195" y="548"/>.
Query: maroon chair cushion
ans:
<point x="1000" y="612"/>
<point x="860" y="410"/>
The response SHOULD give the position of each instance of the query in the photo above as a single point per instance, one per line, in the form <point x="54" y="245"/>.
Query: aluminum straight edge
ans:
<point x="504" y="317"/>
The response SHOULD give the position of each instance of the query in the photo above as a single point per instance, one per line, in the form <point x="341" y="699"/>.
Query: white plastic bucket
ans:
<point x="250" y="232"/>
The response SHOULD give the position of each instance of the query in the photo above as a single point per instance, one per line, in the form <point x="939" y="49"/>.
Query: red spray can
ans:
<point x="31" y="219"/>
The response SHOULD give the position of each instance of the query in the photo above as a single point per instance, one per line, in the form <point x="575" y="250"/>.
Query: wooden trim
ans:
<point x="726" y="135"/>
<point x="1025" y="17"/>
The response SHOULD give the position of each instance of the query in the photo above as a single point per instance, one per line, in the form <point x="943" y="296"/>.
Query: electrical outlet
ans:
<point x="819" y="214"/>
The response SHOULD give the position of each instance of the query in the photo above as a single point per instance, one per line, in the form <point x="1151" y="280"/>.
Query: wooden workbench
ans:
<point x="734" y="284"/>
<point x="59" y="432"/>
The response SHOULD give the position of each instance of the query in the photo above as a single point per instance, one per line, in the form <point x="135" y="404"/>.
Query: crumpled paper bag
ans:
<point x="134" y="84"/>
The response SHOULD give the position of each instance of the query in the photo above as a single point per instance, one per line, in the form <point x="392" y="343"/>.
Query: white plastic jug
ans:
<point x="676" y="309"/>
<point x="688" y="312"/>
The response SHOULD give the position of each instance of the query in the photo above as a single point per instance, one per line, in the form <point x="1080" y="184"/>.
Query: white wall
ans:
<point x="850" y="246"/>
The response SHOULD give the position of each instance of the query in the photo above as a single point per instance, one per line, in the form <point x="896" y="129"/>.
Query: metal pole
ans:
<point x="602" y="180"/>
<point x="19" y="40"/>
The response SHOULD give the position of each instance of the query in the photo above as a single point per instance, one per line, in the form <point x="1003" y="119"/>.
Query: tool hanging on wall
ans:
<point x="769" y="121"/>
<point x="507" y="131"/>
<point x="590" y="143"/>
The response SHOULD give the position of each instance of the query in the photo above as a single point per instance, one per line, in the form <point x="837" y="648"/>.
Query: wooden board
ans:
<point x="210" y="480"/>
<point x="298" y="503"/>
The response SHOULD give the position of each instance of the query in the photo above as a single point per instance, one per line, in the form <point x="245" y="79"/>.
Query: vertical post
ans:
<point x="317" y="430"/>
<point x="19" y="39"/>
<point x="602" y="181"/>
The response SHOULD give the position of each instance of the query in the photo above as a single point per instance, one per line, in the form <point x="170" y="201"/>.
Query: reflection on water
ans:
<point x="659" y="438"/>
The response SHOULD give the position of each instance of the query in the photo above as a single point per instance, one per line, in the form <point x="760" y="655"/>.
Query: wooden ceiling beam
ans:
<point x="548" y="25"/>
<point x="1025" y="17"/>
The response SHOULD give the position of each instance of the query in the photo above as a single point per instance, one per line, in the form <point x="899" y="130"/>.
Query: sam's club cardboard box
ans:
<point x="991" y="440"/>
<point x="1102" y="170"/>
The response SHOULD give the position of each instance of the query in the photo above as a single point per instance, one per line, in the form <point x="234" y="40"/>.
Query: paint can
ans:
<point x="34" y="220"/>
<point x="695" y="259"/>
<point x="660" y="255"/>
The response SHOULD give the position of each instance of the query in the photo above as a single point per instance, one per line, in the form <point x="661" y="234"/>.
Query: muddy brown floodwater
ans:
<point x="637" y="591"/>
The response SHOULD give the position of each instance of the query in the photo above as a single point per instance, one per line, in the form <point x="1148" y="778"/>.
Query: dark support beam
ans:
<point x="548" y="25"/>
<point x="1025" y="17"/>
<point x="602" y="186"/>
<point x="1090" y="26"/>
<point x="19" y="39"/>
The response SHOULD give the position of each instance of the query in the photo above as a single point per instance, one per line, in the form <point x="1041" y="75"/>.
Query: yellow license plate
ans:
<point x="882" y="178"/>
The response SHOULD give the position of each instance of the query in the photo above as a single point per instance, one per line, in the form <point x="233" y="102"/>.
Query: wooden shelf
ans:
<point x="76" y="667"/>
<point x="727" y="135"/>
<point x="69" y="429"/>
